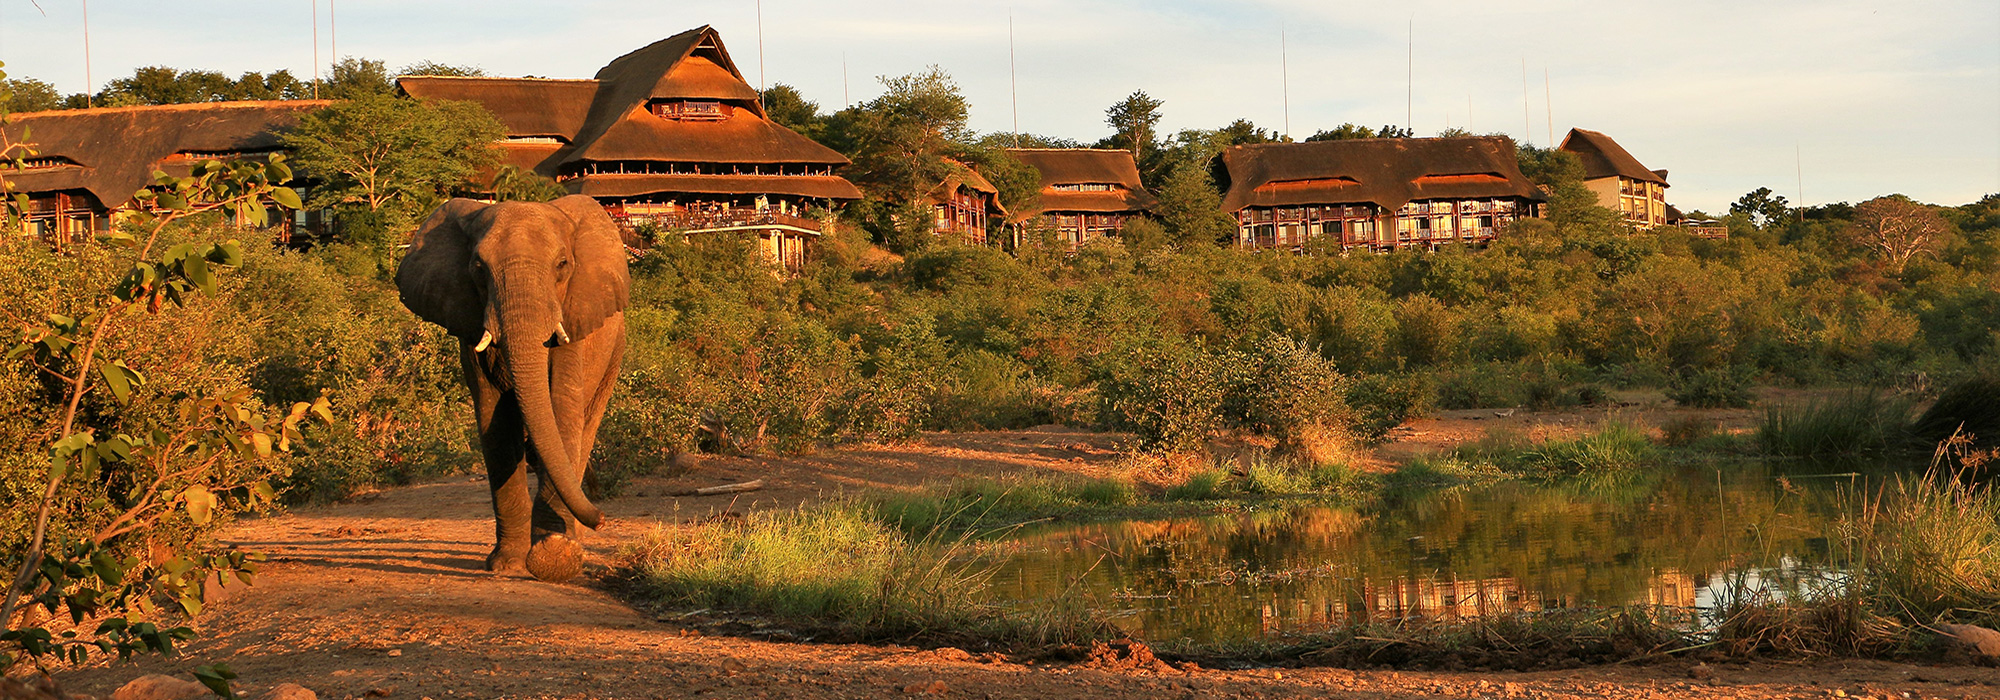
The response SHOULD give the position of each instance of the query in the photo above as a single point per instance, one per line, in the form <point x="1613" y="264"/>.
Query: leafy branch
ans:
<point x="190" y="464"/>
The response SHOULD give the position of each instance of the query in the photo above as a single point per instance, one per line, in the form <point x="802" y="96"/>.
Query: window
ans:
<point x="690" y="110"/>
<point x="1329" y="228"/>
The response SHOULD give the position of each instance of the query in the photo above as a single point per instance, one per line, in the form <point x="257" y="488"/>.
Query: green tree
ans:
<point x="1896" y="228"/>
<point x="904" y="137"/>
<point x="785" y="105"/>
<point x="1191" y="210"/>
<point x="30" y="95"/>
<point x="435" y="68"/>
<point x="162" y="85"/>
<point x="1133" y="121"/>
<point x="1763" y="207"/>
<point x="378" y="151"/>
<point x="353" y="78"/>
<point x="1342" y="132"/>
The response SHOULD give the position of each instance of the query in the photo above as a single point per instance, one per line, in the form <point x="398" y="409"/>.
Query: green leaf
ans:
<point x="191" y="604"/>
<point x="216" y="678"/>
<point x="286" y="196"/>
<point x="105" y="565"/>
<point x="115" y="377"/>
<point x="200" y="503"/>
<point x="196" y="271"/>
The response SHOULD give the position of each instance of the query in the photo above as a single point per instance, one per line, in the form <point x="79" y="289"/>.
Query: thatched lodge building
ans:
<point x="1620" y="182"/>
<point x="1377" y="194"/>
<point x="963" y="204"/>
<point x="89" y="162"/>
<point x="669" y="135"/>
<point x="1085" y="193"/>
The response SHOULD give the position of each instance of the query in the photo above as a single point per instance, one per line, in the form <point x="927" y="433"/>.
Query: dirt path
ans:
<point x="382" y="596"/>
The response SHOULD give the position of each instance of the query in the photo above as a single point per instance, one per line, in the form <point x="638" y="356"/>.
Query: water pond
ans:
<point x="1674" y="538"/>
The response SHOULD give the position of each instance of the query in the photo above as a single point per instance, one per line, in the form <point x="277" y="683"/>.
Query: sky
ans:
<point x="1834" y="101"/>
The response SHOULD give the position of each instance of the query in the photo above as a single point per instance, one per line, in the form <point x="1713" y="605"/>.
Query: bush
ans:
<point x="1169" y="395"/>
<point x="1971" y="407"/>
<point x="1720" y="387"/>
<point x="1383" y="402"/>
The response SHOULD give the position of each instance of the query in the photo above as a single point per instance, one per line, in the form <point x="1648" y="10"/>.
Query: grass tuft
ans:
<point x="1854" y="425"/>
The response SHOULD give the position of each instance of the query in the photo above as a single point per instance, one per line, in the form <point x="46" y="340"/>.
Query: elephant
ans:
<point x="535" y="293"/>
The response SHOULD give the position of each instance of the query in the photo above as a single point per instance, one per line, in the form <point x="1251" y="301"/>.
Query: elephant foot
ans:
<point x="507" y="563"/>
<point x="555" y="559"/>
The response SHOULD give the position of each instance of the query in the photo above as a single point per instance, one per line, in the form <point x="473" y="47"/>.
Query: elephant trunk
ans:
<point x="526" y="344"/>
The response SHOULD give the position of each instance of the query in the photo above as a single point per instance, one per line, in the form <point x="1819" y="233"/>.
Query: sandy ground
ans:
<point x="383" y="596"/>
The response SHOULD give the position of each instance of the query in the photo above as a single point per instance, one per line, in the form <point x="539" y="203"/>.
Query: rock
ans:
<point x="289" y="691"/>
<point x="1972" y="640"/>
<point x="381" y="691"/>
<point x="951" y="654"/>
<point x="158" y="687"/>
<point x="395" y="652"/>
<point x="1701" y="672"/>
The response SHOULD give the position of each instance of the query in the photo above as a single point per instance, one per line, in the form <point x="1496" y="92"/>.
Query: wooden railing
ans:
<point x="698" y="221"/>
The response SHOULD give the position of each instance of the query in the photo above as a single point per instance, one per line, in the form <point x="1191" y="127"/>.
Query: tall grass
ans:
<point x="837" y="568"/>
<point x="1615" y="448"/>
<point x="974" y="504"/>
<point x="1853" y="425"/>
<point x="1930" y="550"/>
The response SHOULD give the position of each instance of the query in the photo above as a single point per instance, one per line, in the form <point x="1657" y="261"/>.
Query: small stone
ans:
<point x="158" y="687"/>
<point x="952" y="654"/>
<point x="395" y="652"/>
<point x="1701" y="672"/>
<point x="1838" y="693"/>
<point x="288" y="691"/>
<point x="381" y="691"/>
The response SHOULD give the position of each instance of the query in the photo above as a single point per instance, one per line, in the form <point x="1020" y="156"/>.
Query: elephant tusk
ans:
<point x="484" y="341"/>
<point x="562" y="336"/>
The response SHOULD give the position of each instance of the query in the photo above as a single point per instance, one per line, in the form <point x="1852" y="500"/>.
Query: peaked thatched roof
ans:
<point x="1603" y="157"/>
<point x="116" y="149"/>
<point x="1385" y="172"/>
<point x="1085" y="166"/>
<point x="607" y="118"/>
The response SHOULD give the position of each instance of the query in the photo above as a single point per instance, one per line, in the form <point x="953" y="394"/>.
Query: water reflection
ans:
<point x="1669" y="539"/>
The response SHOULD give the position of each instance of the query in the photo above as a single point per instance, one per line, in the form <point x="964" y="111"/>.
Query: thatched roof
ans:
<point x="1085" y="166"/>
<point x="822" y="187"/>
<point x="116" y="149"/>
<point x="1385" y="172"/>
<point x="964" y="176"/>
<point x="526" y="106"/>
<point x="1603" y="157"/>
<point x="607" y="119"/>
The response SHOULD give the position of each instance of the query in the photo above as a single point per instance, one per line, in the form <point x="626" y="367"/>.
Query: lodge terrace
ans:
<point x="1377" y="194"/>
<point x="670" y="136"/>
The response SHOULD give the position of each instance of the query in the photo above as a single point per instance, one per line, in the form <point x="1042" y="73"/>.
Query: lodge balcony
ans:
<point x="713" y="220"/>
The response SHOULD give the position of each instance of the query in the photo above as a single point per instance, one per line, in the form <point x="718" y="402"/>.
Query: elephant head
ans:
<point x="522" y="279"/>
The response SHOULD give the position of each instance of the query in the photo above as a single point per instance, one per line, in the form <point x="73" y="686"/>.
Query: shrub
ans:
<point x="1383" y="402"/>
<point x="1971" y="407"/>
<point x="1204" y="485"/>
<point x="1297" y="396"/>
<point x="1169" y="395"/>
<point x="1719" y="387"/>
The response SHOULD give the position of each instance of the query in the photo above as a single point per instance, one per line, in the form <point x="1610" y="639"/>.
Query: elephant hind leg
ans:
<point x="555" y="558"/>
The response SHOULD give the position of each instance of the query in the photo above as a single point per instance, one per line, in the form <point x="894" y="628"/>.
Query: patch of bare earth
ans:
<point x="383" y="596"/>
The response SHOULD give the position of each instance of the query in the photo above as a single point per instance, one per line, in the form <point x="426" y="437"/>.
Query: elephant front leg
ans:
<point x="504" y="445"/>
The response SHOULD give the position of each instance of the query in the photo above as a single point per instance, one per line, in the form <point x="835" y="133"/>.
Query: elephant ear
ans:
<point x="601" y="284"/>
<point x="435" y="278"/>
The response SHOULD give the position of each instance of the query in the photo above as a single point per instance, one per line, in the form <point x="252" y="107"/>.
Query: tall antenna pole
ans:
<point x="1527" y="118"/>
<point x="845" y="101"/>
<point x="332" y="32"/>
<point x="1550" y="102"/>
<point x="760" y="47"/>
<point x="1468" y="112"/>
<point x="1410" y="79"/>
<point x="315" y="10"/>
<point x="88" y="83"/>
<point x="1285" y="78"/>
<point x="1013" y="82"/>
